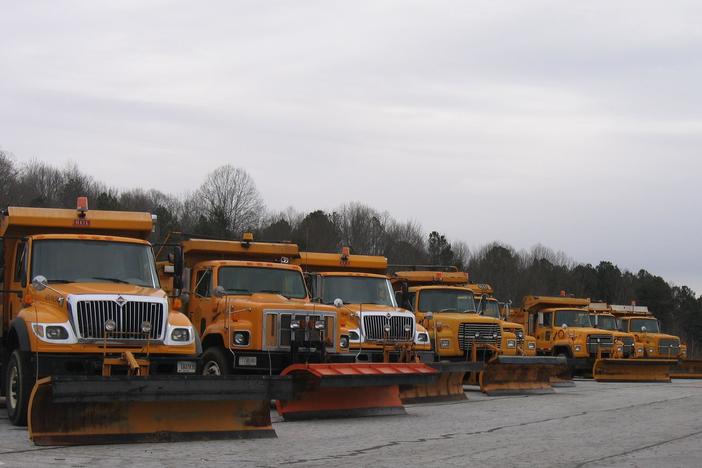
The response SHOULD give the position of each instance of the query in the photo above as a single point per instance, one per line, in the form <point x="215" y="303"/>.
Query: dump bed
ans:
<point x="201" y="250"/>
<point x="425" y="278"/>
<point x="533" y="304"/>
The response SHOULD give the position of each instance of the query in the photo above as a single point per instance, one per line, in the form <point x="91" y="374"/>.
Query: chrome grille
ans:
<point x="482" y="333"/>
<point x="519" y="335"/>
<point x="306" y="334"/>
<point x="374" y="327"/>
<point x="669" y="346"/>
<point x="628" y="345"/>
<point x="601" y="342"/>
<point x="92" y="314"/>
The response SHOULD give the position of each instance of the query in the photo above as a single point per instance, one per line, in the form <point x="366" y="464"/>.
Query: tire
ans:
<point x="216" y="361"/>
<point x="19" y="381"/>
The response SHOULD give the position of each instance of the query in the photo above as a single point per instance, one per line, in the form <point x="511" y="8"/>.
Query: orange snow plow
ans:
<point x="687" y="369"/>
<point x="85" y="410"/>
<point x="447" y="387"/>
<point x="350" y="390"/>
<point x="632" y="370"/>
<point x="519" y="375"/>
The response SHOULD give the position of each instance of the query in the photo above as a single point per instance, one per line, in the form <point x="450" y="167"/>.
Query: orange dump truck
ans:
<point x="445" y="302"/>
<point x="562" y="327"/>
<point x="92" y="352"/>
<point x="254" y="314"/>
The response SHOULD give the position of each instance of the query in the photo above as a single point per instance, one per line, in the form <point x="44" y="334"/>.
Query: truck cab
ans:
<point x="562" y="327"/>
<point x="377" y="327"/>
<point x="645" y="328"/>
<point x="78" y="287"/>
<point x="252" y="308"/>
<point x="601" y="318"/>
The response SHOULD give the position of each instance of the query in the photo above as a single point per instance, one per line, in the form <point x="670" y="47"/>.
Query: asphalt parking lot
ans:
<point x="591" y="424"/>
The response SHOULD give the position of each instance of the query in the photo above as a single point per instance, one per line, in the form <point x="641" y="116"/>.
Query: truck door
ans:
<point x="543" y="330"/>
<point x="201" y="299"/>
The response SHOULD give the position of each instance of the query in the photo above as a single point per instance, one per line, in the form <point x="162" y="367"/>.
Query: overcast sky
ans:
<point x="577" y="125"/>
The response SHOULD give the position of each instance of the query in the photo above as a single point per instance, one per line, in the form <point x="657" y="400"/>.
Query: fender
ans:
<point x="20" y="328"/>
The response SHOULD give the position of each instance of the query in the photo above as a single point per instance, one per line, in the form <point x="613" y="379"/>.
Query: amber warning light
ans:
<point x="82" y="207"/>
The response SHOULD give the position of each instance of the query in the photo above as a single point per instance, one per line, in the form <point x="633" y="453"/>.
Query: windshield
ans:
<point x="92" y="261"/>
<point x="573" y="318"/>
<point x="251" y="280"/>
<point x="651" y="325"/>
<point x="604" y="322"/>
<point x="446" y="300"/>
<point x="491" y="308"/>
<point x="358" y="290"/>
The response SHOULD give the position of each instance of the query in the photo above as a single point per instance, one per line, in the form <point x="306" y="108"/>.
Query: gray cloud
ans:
<point x="574" y="125"/>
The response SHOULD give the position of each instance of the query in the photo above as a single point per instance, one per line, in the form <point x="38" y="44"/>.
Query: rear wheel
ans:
<point x="216" y="361"/>
<point x="19" y="381"/>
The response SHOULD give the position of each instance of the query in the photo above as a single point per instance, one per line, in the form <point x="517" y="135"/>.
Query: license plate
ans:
<point x="186" y="367"/>
<point x="247" y="360"/>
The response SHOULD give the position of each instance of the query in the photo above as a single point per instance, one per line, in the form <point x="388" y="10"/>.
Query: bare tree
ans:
<point x="230" y="200"/>
<point x="8" y="176"/>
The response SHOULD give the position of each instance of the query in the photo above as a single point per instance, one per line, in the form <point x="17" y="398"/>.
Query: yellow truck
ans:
<point x="562" y="327"/>
<point x="252" y="309"/>
<point x="378" y="329"/>
<point x="445" y="302"/>
<point x="91" y="350"/>
<point x="602" y="318"/>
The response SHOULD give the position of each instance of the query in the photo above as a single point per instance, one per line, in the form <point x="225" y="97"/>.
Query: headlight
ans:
<point x="422" y="337"/>
<point x="180" y="334"/>
<point x="241" y="338"/>
<point x="578" y="348"/>
<point x="344" y="341"/>
<point x="56" y="332"/>
<point x="354" y="336"/>
<point x="511" y="343"/>
<point x="444" y="343"/>
<point x="531" y="345"/>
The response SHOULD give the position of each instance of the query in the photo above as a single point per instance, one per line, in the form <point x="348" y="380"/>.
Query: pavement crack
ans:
<point x="363" y="451"/>
<point x="645" y="447"/>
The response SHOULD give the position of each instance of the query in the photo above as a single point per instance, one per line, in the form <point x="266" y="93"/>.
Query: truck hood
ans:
<point x="104" y="288"/>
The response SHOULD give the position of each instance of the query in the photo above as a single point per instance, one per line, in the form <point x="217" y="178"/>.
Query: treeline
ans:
<point x="227" y="203"/>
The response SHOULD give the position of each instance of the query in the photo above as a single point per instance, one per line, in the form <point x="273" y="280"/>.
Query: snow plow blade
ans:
<point x="687" y="369"/>
<point x="632" y="370"/>
<point x="86" y="410"/>
<point x="447" y="387"/>
<point x="562" y="377"/>
<point x="520" y="375"/>
<point x="323" y="391"/>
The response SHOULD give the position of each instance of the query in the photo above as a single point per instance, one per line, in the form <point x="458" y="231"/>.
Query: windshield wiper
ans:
<point x="238" y="291"/>
<point x="59" y="281"/>
<point x="113" y="280"/>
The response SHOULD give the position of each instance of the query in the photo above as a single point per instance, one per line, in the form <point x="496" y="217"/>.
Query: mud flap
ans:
<point x="350" y="390"/>
<point x="687" y="369"/>
<point x="520" y="375"/>
<point x="81" y="410"/>
<point x="632" y="370"/>
<point x="447" y="387"/>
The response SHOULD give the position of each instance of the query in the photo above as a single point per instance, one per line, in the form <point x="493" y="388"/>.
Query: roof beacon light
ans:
<point x="563" y="293"/>
<point x="345" y="252"/>
<point x="438" y="277"/>
<point x="82" y="206"/>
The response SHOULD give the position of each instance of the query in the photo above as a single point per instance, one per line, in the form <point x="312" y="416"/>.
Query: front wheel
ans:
<point x="19" y="381"/>
<point x="216" y="361"/>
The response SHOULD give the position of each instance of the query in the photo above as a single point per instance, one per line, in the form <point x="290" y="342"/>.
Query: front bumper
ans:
<point x="91" y="364"/>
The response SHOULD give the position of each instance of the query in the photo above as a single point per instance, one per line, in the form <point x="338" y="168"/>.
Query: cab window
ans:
<point x="548" y="317"/>
<point x="19" y="260"/>
<point x="203" y="282"/>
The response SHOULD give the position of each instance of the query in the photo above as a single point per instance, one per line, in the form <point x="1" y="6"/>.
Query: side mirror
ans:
<point x="338" y="302"/>
<point x="177" y="267"/>
<point x="220" y="291"/>
<point x="40" y="283"/>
